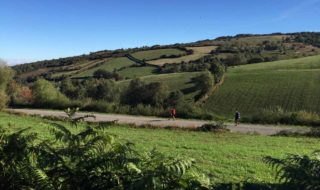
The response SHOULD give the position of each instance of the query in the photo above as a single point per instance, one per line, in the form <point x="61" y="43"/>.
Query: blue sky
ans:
<point x="45" y="29"/>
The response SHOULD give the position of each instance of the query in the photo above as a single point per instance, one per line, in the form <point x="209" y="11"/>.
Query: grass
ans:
<point x="134" y="72"/>
<point x="292" y="85"/>
<point x="156" y="54"/>
<point x="109" y="65"/>
<point x="198" y="52"/>
<point x="175" y="81"/>
<point x="228" y="157"/>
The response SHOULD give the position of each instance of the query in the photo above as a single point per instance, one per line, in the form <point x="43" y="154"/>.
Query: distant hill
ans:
<point x="234" y="50"/>
<point x="263" y="71"/>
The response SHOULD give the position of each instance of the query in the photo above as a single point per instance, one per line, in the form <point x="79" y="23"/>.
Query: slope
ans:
<point x="290" y="84"/>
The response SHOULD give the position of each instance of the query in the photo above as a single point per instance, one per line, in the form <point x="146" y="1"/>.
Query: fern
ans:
<point x="300" y="171"/>
<point x="88" y="160"/>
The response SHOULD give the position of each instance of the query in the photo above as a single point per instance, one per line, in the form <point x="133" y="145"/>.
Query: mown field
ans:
<point x="156" y="54"/>
<point x="175" y="81"/>
<point x="290" y="84"/>
<point x="227" y="157"/>
<point x="198" y="52"/>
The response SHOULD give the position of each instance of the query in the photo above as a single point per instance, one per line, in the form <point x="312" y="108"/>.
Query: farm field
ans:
<point x="156" y="54"/>
<point x="134" y="72"/>
<point x="227" y="157"/>
<point x="108" y="65"/>
<point x="80" y="67"/>
<point x="290" y="84"/>
<point x="198" y="52"/>
<point x="175" y="81"/>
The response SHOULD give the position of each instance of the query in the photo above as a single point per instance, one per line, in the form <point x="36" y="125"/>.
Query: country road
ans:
<point x="163" y="122"/>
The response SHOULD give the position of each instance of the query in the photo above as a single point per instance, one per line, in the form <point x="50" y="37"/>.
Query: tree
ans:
<point x="19" y="94"/>
<point x="174" y="99"/>
<point x="204" y="82"/>
<point x="132" y="95"/>
<point x="138" y="92"/>
<point x="69" y="89"/>
<point x="107" y="90"/>
<point x="155" y="94"/>
<point x="102" y="73"/>
<point x="218" y="70"/>
<point x="46" y="95"/>
<point x="6" y="75"/>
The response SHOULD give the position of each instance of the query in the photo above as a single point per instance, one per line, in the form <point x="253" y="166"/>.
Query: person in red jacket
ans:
<point x="173" y="113"/>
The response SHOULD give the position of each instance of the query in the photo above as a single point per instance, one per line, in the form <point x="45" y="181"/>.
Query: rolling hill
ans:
<point x="290" y="84"/>
<point x="264" y="71"/>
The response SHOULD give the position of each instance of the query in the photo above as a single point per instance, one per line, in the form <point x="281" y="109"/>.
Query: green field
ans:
<point x="156" y="54"/>
<point x="134" y="72"/>
<point x="109" y="65"/>
<point x="175" y="81"/>
<point x="198" y="52"/>
<point x="228" y="157"/>
<point x="290" y="84"/>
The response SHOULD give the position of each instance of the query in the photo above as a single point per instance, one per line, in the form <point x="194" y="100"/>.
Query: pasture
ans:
<point x="226" y="157"/>
<point x="109" y="65"/>
<point x="198" y="52"/>
<point x="290" y="84"/>
<point x="134" y="72"/>
<point x="156" y="54"/>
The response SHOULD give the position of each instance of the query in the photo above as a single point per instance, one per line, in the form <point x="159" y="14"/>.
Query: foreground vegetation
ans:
<point x="224" y="157"/>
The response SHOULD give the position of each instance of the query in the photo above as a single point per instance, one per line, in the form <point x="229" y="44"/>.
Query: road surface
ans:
<point x="163" y="122"/>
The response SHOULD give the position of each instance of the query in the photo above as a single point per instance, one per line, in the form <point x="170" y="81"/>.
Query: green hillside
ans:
<point x="175" y="81"/>
<point x="198" y="52"/>
<point x="109" y="65"/>
<point x="158" y="53"/>
<point x="289" y="84"/>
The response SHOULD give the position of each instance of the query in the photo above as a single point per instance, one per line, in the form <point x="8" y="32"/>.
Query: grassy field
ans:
<point x="156" y="54"/>
<point x="108" y="65"/>
<point x="133" y="72"/>
<point x="228" y="157"/>
<point x="290" y="84"/>
<point x="198" y="52"/>
<point x="175" y="81"/>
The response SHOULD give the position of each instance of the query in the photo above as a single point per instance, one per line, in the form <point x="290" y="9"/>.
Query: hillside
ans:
<point x="290" y="84"/>
<point x="263" y="71"/>
<point x="236" y="50"/>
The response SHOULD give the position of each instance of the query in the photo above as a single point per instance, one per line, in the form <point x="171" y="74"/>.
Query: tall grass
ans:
<point x="279" y="116"/>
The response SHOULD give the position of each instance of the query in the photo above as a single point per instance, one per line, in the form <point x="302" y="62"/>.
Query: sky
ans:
<point x="33" y="30"/>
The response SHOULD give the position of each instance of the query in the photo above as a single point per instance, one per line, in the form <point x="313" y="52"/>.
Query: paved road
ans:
<point x="162" y="122"/>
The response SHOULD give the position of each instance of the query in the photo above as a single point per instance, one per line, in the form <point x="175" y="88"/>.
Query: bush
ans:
<point x="19" y="95"/>
<point x="3" y="100"/>
<point x="88" y="160"/>
<point x="279" y="116"/>
<point x="299" y="172"/>
<point x="213" y="127"/>
<point x="47" y="96"/>
<point x="138" y="92"/>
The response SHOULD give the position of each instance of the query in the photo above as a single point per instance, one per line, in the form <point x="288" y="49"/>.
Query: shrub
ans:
<point x="3" y="100"/>
<point x="214" y="127"/>
<point x="300" y="172"/>
<point x="88" y="160"/>
<point x="47" y="96"/>
<point x="279" y="116"/>
<point x="138" y="92"/>
<point x="19" y="95"/>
